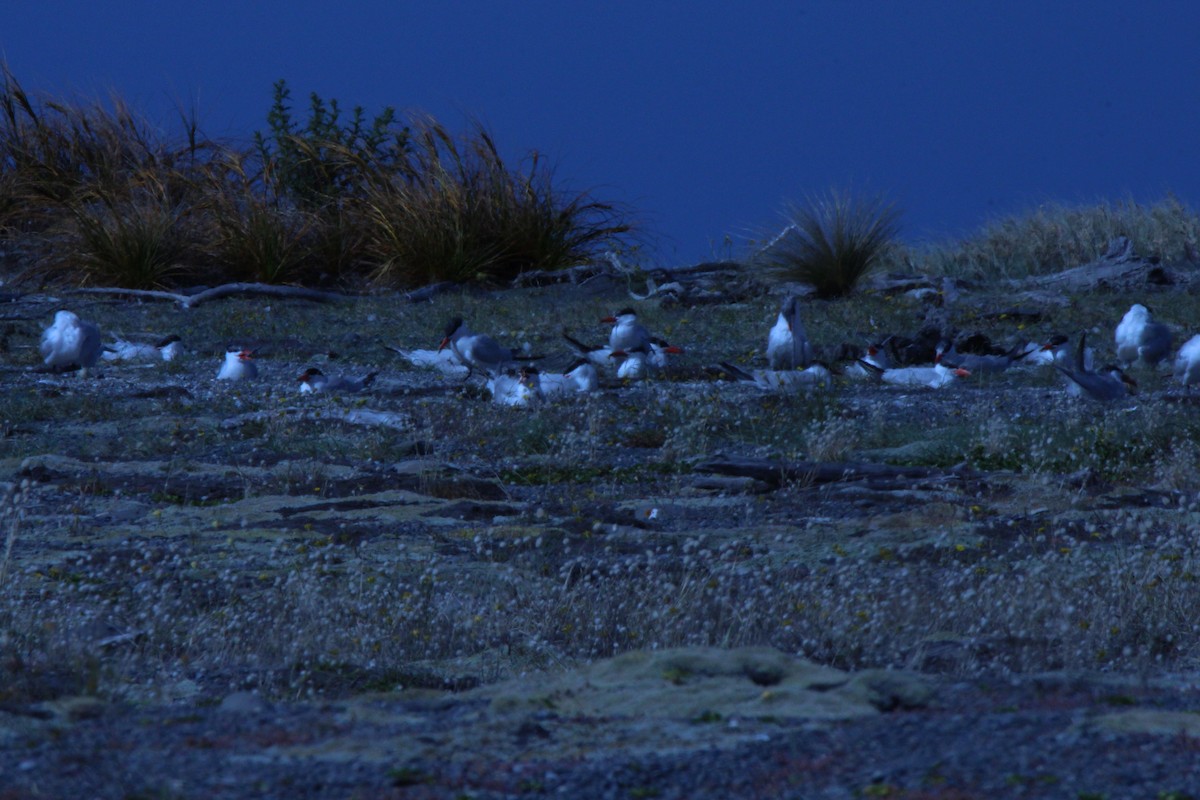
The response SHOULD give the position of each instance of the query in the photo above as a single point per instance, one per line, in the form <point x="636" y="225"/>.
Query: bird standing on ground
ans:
<point x="787" y="343"/>
<point x="477" y="350"/>
<point x="1108" y="384"/>
<point x="627" y="334"/>
<point x="71" y="341"/>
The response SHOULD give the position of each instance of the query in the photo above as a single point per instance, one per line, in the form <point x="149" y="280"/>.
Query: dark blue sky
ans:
<point x="706" y="118"/>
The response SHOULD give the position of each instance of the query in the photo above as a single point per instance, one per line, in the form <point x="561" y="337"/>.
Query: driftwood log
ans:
<point x="225" y="290"/>
<point x="1119" y="268"/>
<point x="875" y="476"/>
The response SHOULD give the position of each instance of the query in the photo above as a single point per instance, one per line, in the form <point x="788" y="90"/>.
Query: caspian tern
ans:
<point x="869" y="366"/>
<point x="520" y="388"/>
<point x="446" y="360"/>
<point x="770" y="380"/>
<point x="1139" y="337"/>
<point x="659" y="351"/>
<point x="627" y="334"/>
<point x="1056" y="350"/>
<point x="313" y="380"/>
<point x="167" y="349"/>
<point x="580" y="378"/>
<point x="975" y="362"/>
<point x="934" y="377"/>
<point x="1107" y="384"/>
<point x="1187" y="363"/>
<point x="787" y="343"/>
<point x="238" y="365"/>
<point x="642" y="361"/>
<point x="478" y="351"/>
<point x="71" y="341"/>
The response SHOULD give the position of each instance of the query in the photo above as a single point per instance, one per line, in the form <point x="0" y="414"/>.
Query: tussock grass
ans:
<point x="458" y="212"/>
<point x="832" y="242"/>
<point x="100" y="196"/>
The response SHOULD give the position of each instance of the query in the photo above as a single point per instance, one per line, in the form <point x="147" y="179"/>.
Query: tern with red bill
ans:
<point x="814" y="376"/>
<point x="1107" y="384"/>
<point x="934" y="377"/>
<point x="643" y="360"/>
<point x="238" y="365"/>
<point x="479" y="351"/>
<point x="516" y="388"/>
<point x="313" y="380"/>
<point x="580" y="378"/>
<point x="627" y="334"/>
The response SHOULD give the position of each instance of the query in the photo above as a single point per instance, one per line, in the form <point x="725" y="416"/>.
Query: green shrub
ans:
<point x="327" y="160"/>
<point x="832" y="242"/>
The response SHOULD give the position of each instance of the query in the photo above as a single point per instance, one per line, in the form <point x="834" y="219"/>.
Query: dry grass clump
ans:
<point x="832" y="242"/>
<point x="457" y="211"/>
<point x="1054" y="237"/>
<point x="98" y="196"/>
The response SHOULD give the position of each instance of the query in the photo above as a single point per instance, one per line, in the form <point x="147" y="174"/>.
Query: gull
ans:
<point x="1187" y="363"/>
<point x="1141" y="338"/>
<point x="238" y="365"/>
<point x="71" y="342"/>
<point x="770" y="380"/>
<point x="787" y="343"/>
<point x="1107" y="384"/>
<point x="313" y="380"/>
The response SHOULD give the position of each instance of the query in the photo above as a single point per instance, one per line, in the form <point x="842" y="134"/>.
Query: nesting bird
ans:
<point x="238" y="365"/>
<point x="579" y="378"/>
<point x="520" y="388"/>
<point x="312" y="380"/>
<point x="166" y="349"/>
<point x="71" y="342"/>
<point x="813" y="376"/>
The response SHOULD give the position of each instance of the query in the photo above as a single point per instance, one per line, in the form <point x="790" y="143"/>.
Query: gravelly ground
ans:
<point x="139" y="473"/>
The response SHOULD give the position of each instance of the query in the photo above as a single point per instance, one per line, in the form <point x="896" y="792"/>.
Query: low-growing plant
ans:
<point x="833" y="241"/>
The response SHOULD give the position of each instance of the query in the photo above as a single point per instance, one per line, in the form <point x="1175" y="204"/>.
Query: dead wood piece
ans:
<point x="544" y="277"/>
<point x="776" y="473"/>
<point x="217" y="292"/>
<point x="352" y="416"/>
